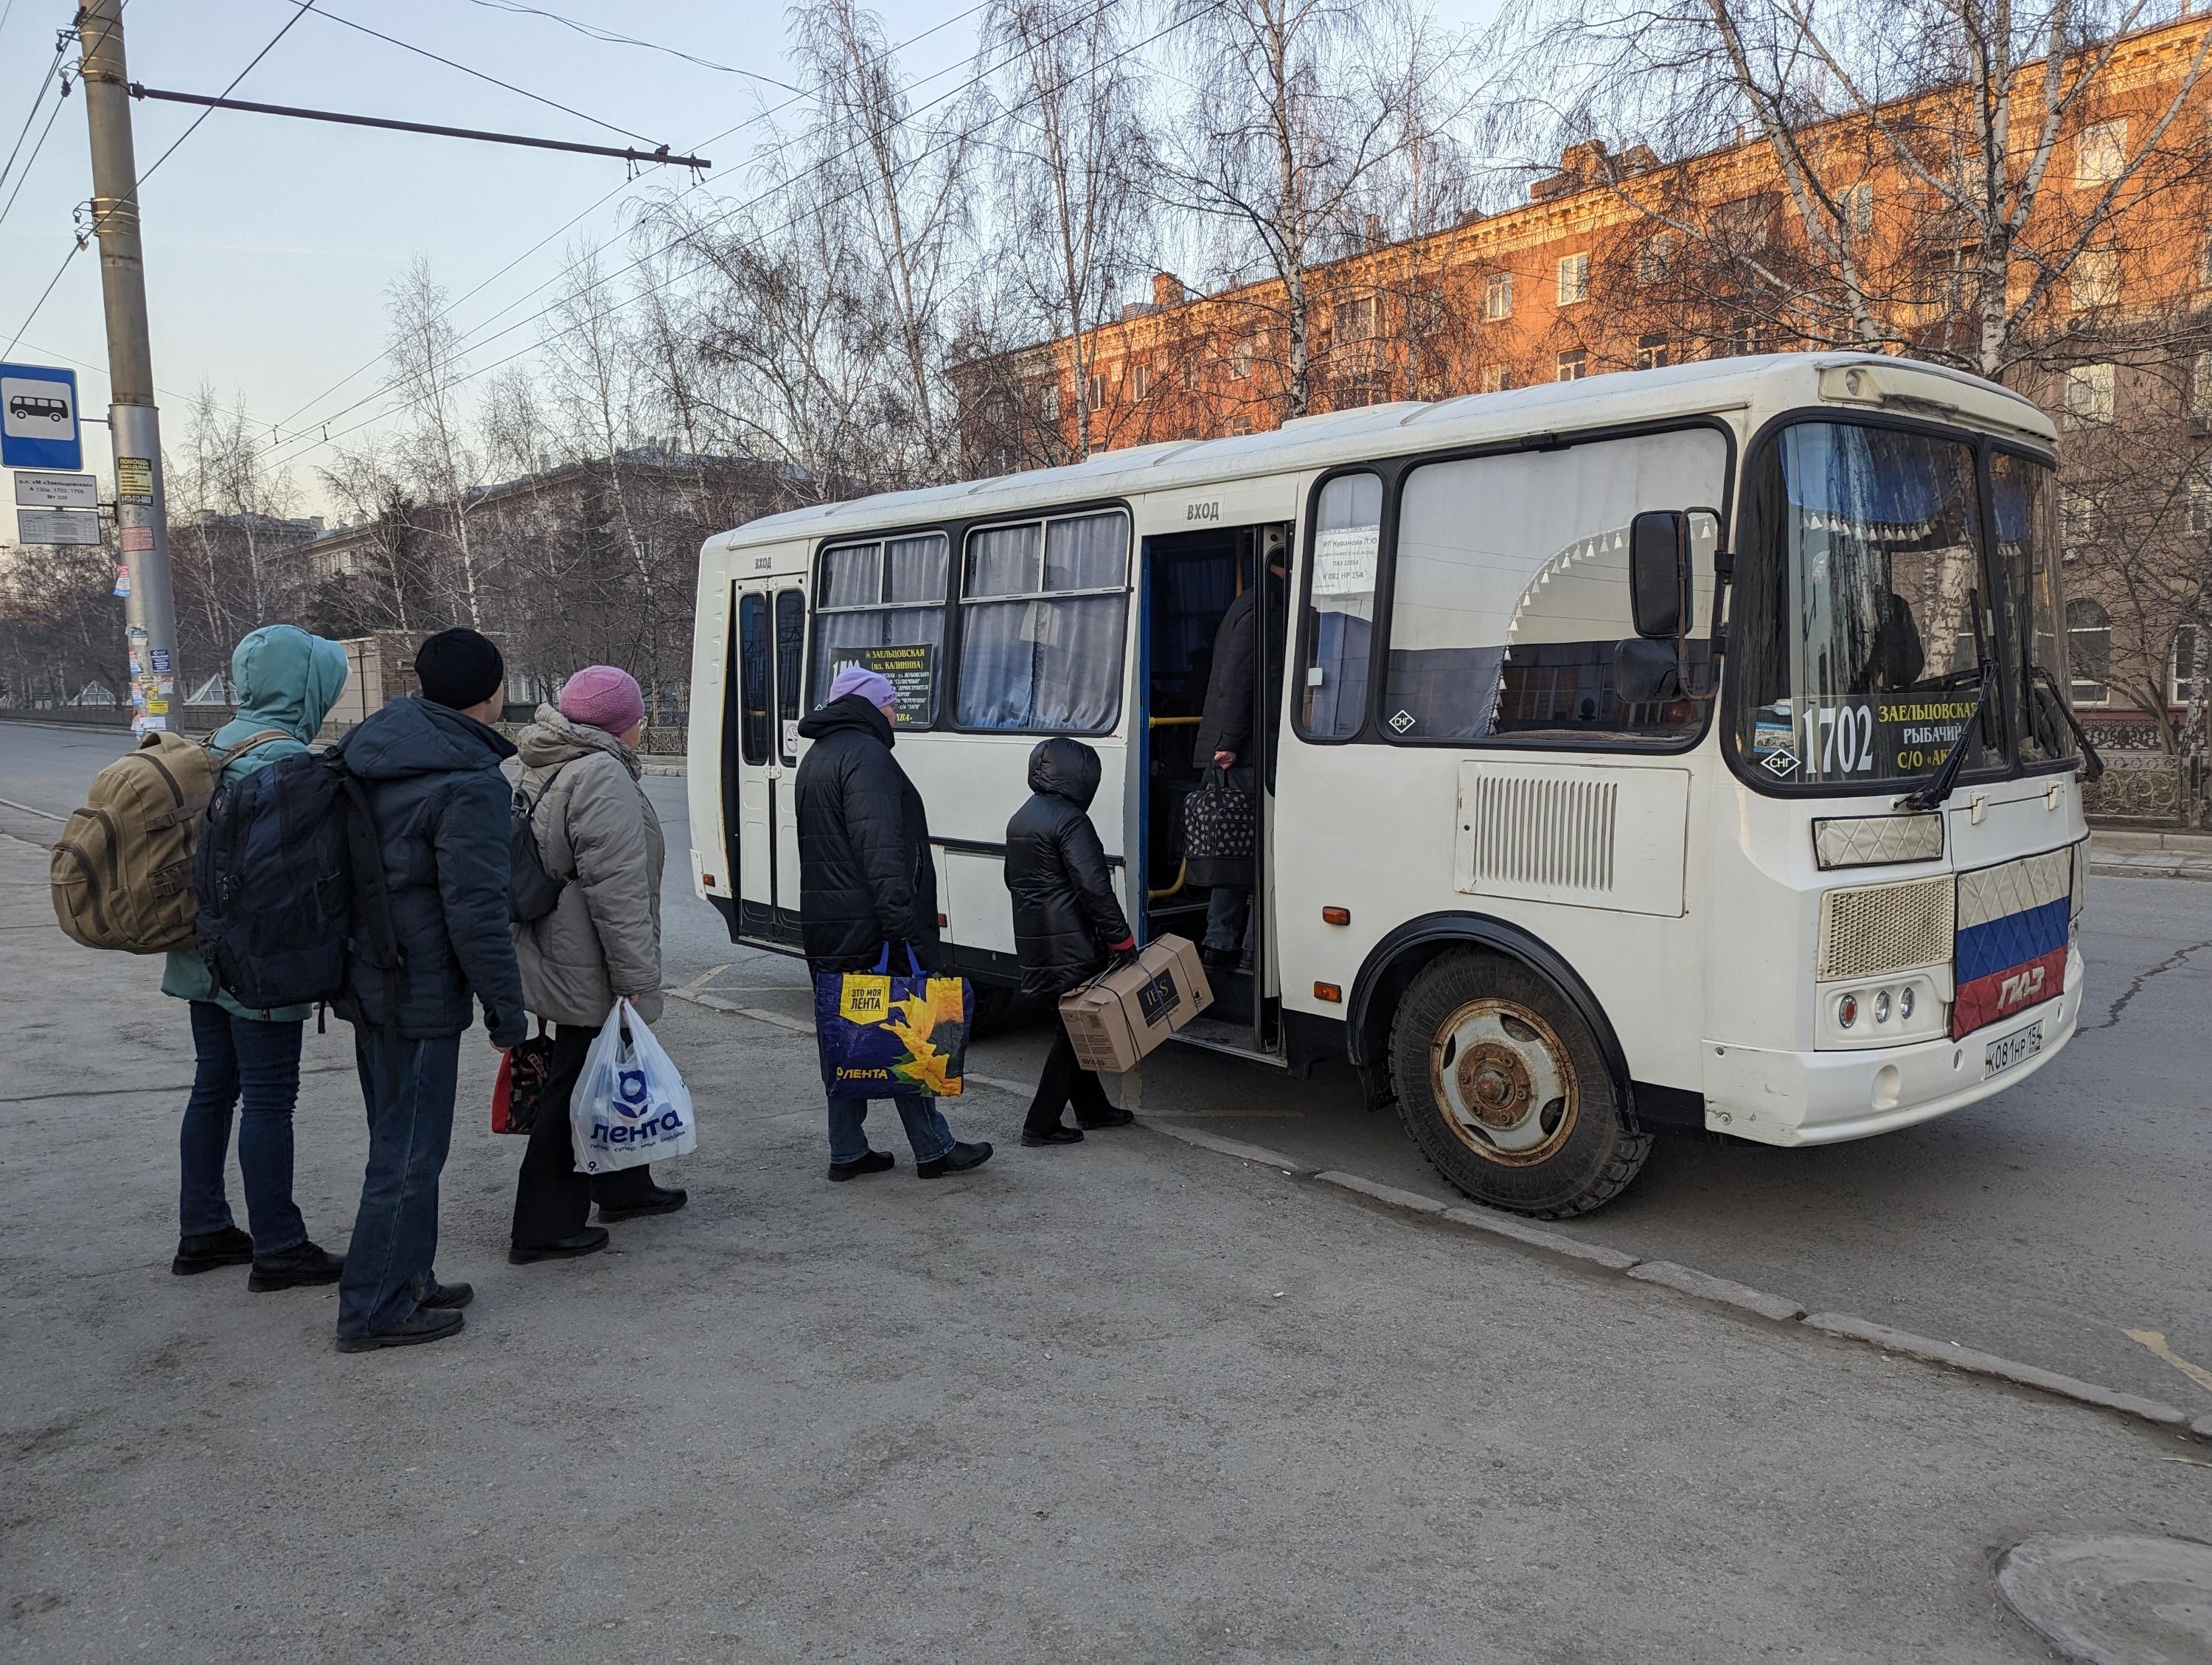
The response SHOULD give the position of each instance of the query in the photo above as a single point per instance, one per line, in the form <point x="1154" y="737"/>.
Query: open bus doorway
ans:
<point x="1206" y="618"/>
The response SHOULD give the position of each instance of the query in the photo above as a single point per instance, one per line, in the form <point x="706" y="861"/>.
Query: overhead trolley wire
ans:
<point x="307" y="430"/>
<point x="654" y="289"/>
<point x="594" y="32"/>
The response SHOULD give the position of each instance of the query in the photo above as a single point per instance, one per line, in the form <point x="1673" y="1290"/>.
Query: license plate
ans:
<point x="2002" y="1054"/>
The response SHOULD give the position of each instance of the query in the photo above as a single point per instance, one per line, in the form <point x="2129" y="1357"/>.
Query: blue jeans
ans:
<point x="924" y="1129"/>
<point x="395" y="1236"/>
<point x="1228" y="919"/>
<point x="240" y="1059"/>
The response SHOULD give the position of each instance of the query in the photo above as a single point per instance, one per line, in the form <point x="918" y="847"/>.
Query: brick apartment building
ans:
<point x="1622" y="261"/>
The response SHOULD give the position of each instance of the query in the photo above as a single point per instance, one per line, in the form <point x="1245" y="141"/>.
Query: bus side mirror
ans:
<point x="1659" y="572"/>
<point x="1646" y="672"/>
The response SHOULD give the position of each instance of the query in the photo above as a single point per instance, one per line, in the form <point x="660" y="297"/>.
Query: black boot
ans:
<point x="874" y="1163"/>
<point x="295" y="1268"/>
<point x="958" y="1160"/>
<point x="656" y="1199"/>
<point x="1055" y="1133"/>
<point x="424" y="1324"/>
<point x="590" y="1241"/>
<point x="205" y="1251"/>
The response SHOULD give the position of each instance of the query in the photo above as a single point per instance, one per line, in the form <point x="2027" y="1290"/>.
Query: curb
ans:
<point x="2108" y="870"/>
<point x="1667" y="1274"/>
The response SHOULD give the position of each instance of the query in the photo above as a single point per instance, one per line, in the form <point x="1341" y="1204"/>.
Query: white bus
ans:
<point x="1602" y="738"/>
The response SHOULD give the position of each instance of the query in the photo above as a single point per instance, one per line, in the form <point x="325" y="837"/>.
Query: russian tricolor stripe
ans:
<point x="2010" y="951"/>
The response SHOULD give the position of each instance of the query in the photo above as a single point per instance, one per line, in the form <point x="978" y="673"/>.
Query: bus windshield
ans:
<point x="1866" y="631"/>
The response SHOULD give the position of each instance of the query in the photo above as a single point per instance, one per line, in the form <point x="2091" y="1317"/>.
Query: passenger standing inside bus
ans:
<point x="1226" y="739"/>
<point x="1066" y="924"/>
<point x="865" y="882"/>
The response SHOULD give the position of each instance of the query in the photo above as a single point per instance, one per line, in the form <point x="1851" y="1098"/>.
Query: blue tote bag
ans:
<point x="882" y="1035"/>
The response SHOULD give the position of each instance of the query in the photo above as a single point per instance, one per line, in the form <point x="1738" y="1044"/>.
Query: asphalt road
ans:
<point x="1130" y="1401"/>
<point x="2045" y="1225"/>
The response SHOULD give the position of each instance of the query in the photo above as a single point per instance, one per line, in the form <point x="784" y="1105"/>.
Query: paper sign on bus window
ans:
<point x="912" y="669"/>
<point x="1344" y="561"/>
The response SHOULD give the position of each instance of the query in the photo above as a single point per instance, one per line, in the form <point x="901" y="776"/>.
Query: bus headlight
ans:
<point x="1882" y="1006"/>
<point x="1904" y="1003"/>
<point x="1906" y="1006"/>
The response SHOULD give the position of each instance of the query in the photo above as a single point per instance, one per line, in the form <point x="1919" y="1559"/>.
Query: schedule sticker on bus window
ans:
<point x="912" y="669"/>
<point x="1344" y="561"/>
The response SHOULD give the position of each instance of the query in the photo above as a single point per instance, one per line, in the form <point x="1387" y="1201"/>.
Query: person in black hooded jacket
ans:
<point x="866" y="885"/>
<point x="1066" y="924"/>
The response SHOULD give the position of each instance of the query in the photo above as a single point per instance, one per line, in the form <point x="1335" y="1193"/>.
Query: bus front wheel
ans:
<point x="1503" y="1089"/>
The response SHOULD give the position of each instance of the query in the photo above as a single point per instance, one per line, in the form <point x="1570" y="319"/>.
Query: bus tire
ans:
<point x="1502" y="1088"/>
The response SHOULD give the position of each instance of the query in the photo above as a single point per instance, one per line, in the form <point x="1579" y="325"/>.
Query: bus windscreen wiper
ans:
<point x="2092" y="766"/>
<point x="1939" y="786"/>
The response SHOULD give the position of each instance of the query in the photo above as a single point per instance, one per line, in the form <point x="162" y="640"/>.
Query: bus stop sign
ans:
<point x="38" y="418"/>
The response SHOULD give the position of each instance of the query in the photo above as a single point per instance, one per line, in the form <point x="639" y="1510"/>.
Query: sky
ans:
<point x="269" y="243"/>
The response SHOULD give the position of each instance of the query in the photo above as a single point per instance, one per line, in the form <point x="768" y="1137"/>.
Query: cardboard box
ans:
<point x="1116" y="1020"/>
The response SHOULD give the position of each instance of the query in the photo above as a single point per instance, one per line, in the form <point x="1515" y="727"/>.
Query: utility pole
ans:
<point x="150" y="610"/>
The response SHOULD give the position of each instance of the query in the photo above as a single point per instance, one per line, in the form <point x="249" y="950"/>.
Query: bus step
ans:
<point x="1218" y="1034"/>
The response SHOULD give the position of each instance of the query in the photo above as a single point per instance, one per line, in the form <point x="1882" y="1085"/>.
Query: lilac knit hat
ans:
<point x="602" y="697"/>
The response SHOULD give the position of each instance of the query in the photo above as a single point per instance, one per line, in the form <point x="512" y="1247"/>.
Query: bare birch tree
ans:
<point x="437" y="451"/>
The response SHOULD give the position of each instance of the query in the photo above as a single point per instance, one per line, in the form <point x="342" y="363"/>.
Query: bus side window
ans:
<point x="752" y="677"/>
<point x="1511" y="588"/>
<point x="882" y="605"/>
<point x="1340" y="607"/>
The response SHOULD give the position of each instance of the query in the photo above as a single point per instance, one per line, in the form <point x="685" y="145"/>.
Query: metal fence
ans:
<point x="2145" y="784"/>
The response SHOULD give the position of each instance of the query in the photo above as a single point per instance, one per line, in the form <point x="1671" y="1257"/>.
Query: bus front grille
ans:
<point x="1876" y="929"/>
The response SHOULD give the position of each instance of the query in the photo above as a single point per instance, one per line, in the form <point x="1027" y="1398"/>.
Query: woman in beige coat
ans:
<point x="597" y="829"/>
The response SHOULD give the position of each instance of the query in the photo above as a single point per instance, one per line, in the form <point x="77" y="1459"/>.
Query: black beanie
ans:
<point x="459" y="668"/>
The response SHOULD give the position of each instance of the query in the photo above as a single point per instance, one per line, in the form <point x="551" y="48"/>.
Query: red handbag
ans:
<point x="518" y="1096"/>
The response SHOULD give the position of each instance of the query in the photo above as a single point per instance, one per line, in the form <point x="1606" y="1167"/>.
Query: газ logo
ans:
<point x="2023" y="988"/>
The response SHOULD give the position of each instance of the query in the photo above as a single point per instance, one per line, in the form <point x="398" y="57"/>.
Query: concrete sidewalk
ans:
<point x="2121" y="854"/>
<point x="1127" y="1401"/>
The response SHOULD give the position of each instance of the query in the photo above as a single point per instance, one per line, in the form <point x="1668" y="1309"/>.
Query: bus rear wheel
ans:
<point x="1502" y="1087"/>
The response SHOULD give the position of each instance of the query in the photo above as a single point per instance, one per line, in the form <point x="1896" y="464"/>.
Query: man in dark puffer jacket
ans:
<point x="1066" y="924"/>
<point x="865" y="882"/>
<point x="440" y="807"/>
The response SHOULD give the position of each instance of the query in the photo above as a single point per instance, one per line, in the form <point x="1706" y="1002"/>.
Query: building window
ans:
<point x="2078" y="514"/>
<point x="1095" y="389"/>
<point x="1743" y="338"/>
<point x="1574" y="279"/>
<point x="1857" y="206"/>
<point x="2198" y="514"/>
<point x="1042" y="606"/>
<point x="2088" y="396"/>
<point x="1241" y="425"/>
<point x="1140" y="380"/>
<point x="1573" y="366"/>
<point x="2095" y="280"/>
<point x="2089" y="646"/>
<point x="878" y="596"/>
<point x="2100" y="154"/>
<point x="1493" y="377"/>
<point x="1359" y="319"/>
<point x="2200" y="386"/>
<point x="1240" y="361"/>
<point x="1653" y="352"/>
<point x="1498" y="296"/>
<point x="1049" y="401"/>
<point x="1653" y="258"/>
<point x="2184" y="687"/>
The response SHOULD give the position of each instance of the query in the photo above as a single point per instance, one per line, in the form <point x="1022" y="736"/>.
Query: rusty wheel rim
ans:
<point x="1502" y="1079"/>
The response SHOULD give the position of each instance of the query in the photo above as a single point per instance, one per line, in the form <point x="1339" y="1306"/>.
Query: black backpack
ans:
<point x="286" y="859"/>
<point x="532" y="891"/>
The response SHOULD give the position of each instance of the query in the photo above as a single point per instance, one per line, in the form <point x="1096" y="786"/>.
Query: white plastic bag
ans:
<point x="630" y="1106"/>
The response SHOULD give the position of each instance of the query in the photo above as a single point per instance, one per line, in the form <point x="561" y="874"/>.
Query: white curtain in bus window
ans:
<point x="1042" y="607"/>
<point x="882" y="607"/>
<point x="1340" y="610"/>
<point x="1511" y="588"/>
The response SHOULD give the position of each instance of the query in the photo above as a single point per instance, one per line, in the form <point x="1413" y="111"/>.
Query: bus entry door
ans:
<point x="770" y="640"/>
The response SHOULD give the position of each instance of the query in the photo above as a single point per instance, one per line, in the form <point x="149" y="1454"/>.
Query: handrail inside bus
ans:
<point x="1181" y="870"/>
<point x="1172" y="722"/>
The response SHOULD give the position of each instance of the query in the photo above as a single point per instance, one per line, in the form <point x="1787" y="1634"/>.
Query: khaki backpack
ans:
<point x="122" y="874"/>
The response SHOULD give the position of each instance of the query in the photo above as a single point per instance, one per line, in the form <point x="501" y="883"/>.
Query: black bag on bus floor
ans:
<point x="1220" y="827"/>
<point x="532" y="891"/>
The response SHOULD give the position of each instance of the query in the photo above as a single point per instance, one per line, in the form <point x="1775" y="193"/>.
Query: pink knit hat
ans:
<point x="603" y="697"/>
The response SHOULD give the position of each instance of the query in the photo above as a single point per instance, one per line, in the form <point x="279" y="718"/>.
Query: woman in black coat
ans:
<point x="1066" y="924"/>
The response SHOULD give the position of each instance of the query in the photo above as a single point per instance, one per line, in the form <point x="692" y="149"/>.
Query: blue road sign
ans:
<point x="38" y="418"/>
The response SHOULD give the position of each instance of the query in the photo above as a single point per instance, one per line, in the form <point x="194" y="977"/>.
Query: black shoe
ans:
<point x="1217" y="959"/>
<point x="958" y="1160"/>
<point x="206" y="1250"/>
<point x="590" y="1241"/>
<point x="1059" y="1134"/>
<point x="660" y="1199"/>
<point x="450" y="1296"/>
<point x="874" y="1163"/>
<point x="293" y="1268"/>
<point x="424" y="1324"/>
<point x="1112" y="1115"/>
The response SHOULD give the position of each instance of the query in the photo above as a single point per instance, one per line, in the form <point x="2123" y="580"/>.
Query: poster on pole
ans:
<point x="38" y="418"/>
<point x="55" y="490"/>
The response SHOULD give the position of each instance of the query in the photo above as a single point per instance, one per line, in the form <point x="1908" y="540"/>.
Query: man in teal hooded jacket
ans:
<point x="286" y="683"/>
